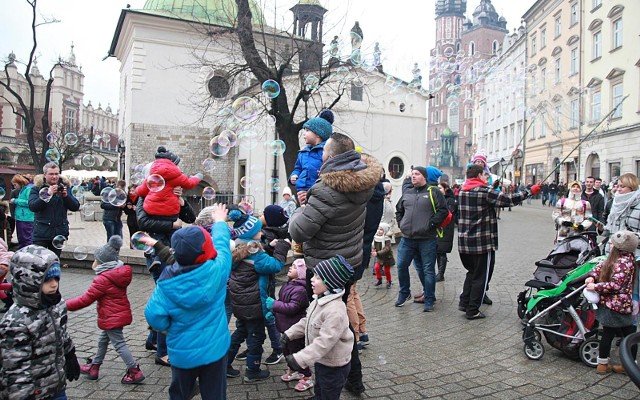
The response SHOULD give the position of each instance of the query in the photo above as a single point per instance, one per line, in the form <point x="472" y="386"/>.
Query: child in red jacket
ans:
<point x="163" y="202"/>
<point x="109" y="289"/>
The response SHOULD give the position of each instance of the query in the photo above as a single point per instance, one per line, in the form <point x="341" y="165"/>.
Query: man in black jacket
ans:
<point x="419" y="212"/>
<point x="594" y="198"/>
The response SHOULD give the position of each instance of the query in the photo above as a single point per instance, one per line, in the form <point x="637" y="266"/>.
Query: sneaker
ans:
<point x="478" y="315"/>
<point x="251" y="375"/>
<point x="242" y="356"/>
<point x="389" y="285"/>
<point x="274" y="358"/>
<point x="487" y="300"/>
<point x="428" y="308"/>
<point x="232" y="372"/>
<point x="364" y="339"/>
<point x="291" y="376"/>
<point x="360" y="347"/>
<point x="403" y="300"/>
<point x="378" y="283"/>
<point x="305" y="383"/>
<point x="354" y="389"/>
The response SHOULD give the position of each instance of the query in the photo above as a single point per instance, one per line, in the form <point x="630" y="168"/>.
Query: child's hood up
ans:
<point x="29" y="266"/>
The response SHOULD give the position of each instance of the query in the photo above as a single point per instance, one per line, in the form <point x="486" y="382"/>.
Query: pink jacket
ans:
<point x="617" y="293"/>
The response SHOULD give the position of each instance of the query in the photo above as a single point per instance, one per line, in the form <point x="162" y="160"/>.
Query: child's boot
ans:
<point x="603" y="366"/>
<point x="253" y="372"/>
<point x="90" y="370"/>
<point x="133" y="375"/>
<point x="378" y="282"/>
<point x="389" y="285"/>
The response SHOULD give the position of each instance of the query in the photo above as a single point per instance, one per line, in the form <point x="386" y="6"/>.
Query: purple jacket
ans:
<point x="291" y="305"/>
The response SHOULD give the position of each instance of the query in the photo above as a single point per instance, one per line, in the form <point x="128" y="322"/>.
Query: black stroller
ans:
<point x="567" y="255"/>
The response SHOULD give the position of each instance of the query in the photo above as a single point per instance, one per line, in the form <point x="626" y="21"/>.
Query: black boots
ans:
<point x="441" y="259"/>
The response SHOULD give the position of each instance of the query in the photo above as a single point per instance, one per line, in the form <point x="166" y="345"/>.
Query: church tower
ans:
<point x="307" y="23"/>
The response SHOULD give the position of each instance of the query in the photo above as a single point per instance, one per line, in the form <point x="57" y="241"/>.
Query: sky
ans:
<point x="404" y="28"/>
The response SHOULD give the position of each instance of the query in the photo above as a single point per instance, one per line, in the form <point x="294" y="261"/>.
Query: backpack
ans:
<point x="446" y="221"/>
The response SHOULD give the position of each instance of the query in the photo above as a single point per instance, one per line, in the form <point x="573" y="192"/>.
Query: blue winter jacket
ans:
<point x="190" y="308"/>
<point x="308" y="166"/>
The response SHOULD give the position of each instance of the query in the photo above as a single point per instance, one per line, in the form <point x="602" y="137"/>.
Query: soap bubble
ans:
<point x="245" y="182"/>
<point x="270" y="120"/>
<point x="52" y="137"/>
<point x="334" y="49"/>
<point x="2" y="192"/>
<point x="277" y="147"/>
<point x="246" y="206"/>
<point x="117" y="197"/>
<point x="245" y="109"/>
<point x="219" y="146"/>
<point x="270" y="89"/>
<point x="78" y="192"/>
<point x="382" y="360"/>
<point x="155" y="182"/>
<point x="104" y="194"/>
<point x="138" y="168"/>
<point x="208" y="164"/>
<point x="80" y="253"/>
<point x="58" y="242"/>
<point x="311" y="82"/>
<point x="52" y="155"/>
<point x="248" y="139"/>
<point x="71" y="139"/>
<point x="229" y="135"/>
<point x="356" y="57"/>
<point x="274" y="184"/>
<point x="44" y="194"/>
<point x="208" y="193"/>
<point x="88" y="160"/>
<point x="137" y="244"/>
<point x="342" y="73"/>
<point x="253" y="247"/>
<point x="136" y="178"/>
<point x="88" y="209"/>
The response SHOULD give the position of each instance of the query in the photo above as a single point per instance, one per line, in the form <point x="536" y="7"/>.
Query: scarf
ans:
<point x="381" y="239"/>
<point x="108" y="266"/>
<point x="473" y="183"/>
<point x="620" y="207"/>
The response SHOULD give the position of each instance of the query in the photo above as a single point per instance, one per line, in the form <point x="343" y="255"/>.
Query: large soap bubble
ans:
<point x="88" y="209"/>
<point x="137" y="244"/>
<point x="88" y="160"/>
<point x="80" y="253"/>
<point x="246" y="109"/>
<point x="58" y="242"/>
<point x="117" y="197"/>
<point x="71" y="139"/>
<point x="104" y="194"/>
<point x="270" y="89"/>
<point x="44" y="194"/>
<point x="219" y="146"/>
<point x="52" y="155"/>
<point x="208" y="193"/>
<point x="277" y="147"/>
<point x="155" y="183"/>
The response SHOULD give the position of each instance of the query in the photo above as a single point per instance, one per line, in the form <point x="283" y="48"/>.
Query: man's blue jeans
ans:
<point x="426" y="249"/>
<point x="553" y="198"/>
<point x="112" y="228"/>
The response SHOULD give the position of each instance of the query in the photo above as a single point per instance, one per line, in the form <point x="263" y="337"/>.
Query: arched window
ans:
<point x="494" y="47"/>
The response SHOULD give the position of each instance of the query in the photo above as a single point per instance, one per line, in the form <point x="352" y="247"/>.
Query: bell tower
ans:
<point x="308" y="17"/>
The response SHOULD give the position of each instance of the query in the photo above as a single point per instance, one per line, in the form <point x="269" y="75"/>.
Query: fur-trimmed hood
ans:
<point x="242" y="250"/>
<point x="364" y="175"/>
<point x="39" y="180"/>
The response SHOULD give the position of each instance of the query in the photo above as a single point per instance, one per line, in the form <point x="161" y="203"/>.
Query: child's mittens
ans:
<point x="293" y="364"/>
<point x="269" y="302"/>
<point x="269" y="317"/>
<point x="71" y="365"/>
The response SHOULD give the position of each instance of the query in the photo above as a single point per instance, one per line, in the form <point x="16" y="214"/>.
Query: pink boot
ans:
<point x="90" y="370"/>
<point x="133" y="375"/>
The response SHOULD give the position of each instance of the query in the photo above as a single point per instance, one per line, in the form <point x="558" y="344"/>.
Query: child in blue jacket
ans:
<point x="305" y="173"/>
<point x="188" y="304"/>
<point x="248" y="292"/>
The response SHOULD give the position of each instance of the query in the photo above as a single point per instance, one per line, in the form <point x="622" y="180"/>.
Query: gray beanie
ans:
<point x="110" y="251"/>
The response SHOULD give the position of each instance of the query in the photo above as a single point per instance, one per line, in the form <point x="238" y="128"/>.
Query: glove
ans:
<point x="199" y="175"/>
<point x="71" y="365"/>
<point x="580" y="228"/>
<point x="269" y="317"/>
<point x="269" y="302"/>
<point x="567" y="223"/>
<point x="284" y="339"/>
<point x="293" y="364"/>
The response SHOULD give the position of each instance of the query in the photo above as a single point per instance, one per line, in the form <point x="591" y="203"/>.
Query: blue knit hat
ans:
<point x="245" y="226"/>
<point x="54" y="272"/>
<point x="192" y="245"/>
<point x="433" y="174"/>
<point x="322" y="125"/>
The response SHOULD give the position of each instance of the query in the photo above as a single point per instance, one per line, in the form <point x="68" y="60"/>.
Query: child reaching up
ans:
<point x="37" y="351"/>
<point x="290" y="308"/>
<point x="163" y="203"/>
<point x="316" y="131"/>
<point x="384" y="256"/>
<point x="328" y="340"/>
<point x="109" y="289"/>
<point x="613" y="281"/>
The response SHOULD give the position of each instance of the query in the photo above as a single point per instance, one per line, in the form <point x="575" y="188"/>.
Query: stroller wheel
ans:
<point x="535" y="351"/>
<point x="589" y="352"/>
<point x="537" y="336"/>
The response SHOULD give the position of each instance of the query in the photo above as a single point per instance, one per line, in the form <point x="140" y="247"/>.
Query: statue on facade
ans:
<point x="356" y="36"/>
<point x="417" y="76"/>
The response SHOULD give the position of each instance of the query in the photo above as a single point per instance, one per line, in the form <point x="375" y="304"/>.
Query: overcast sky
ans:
<point x="404" y="28"/>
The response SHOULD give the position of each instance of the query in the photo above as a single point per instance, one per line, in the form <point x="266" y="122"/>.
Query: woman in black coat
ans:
<point x="445" y="243"/>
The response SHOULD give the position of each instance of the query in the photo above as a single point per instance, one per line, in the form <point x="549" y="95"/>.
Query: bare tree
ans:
<point x="26" y="107"/>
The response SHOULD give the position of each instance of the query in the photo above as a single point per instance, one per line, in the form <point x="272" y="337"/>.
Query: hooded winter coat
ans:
<point x="50" y="218"/>
<point x="164" y="202"/>
<point x="33" y="333"/>
<point x="249" y="279"/>
<point x="190" y="308"/>
<point x="109" y="289"/>
<point x="291" y="305"/>
<point x="332" y="221"/>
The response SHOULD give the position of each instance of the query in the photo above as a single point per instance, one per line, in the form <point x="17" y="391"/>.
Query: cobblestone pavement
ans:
<point x="412" y="355"/>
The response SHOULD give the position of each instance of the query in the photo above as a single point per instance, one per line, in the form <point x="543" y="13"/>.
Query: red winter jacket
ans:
<point x="109" y="289"/>
<point x="164" y="202"/>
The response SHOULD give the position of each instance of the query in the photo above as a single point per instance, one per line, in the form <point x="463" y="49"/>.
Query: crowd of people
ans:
<point x="223" y="265"/>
